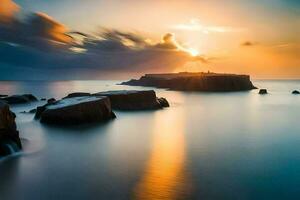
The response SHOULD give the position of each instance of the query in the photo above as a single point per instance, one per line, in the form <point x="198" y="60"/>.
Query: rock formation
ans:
<point x="134" y="100"/>
<point x="208" y="82"/>
<point x="9" y="136"/>
<point x="75" y="111"/>
<point x="51" y="100"/>
<point x="295" y="92"/>
<point x="19" y="99"/>
<point x="263" y="91"/>
<point x="77" y="94"/>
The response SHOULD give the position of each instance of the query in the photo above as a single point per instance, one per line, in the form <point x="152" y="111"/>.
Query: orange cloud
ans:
<point x="247" y="43"/>
<point x="8" y="9"/>
<point x="46" y="26"/>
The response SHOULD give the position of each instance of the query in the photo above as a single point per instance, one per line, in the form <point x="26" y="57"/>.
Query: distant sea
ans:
<point x="237" y="145"/>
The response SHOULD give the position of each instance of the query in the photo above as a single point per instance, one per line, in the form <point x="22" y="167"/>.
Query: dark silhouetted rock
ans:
<point x="75" y="111"/>
<point x="263" y="91"/>
<point x="43" y="99"/>
<point x="32" y="111"/>
<point x="3" y="95"/>
<point x="163" y="102"/>
<point x="9" y="136"/>
<point x="77" y="94"/>
<point x="52" y="100"/>
<point x="132" y="99"/>
<point x="295" y="92"/>
<point x="19" y="99"/>
<point x="207" y="82"/>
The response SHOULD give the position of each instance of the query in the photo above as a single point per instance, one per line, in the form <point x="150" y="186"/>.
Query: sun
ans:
<point x="193" y="52"/>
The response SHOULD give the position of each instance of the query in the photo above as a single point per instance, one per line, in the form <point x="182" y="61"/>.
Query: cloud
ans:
<point x="195" y="25"/>
<point x="248" y="43"/>
<point x="168" y="42"/>
<point x="8" y="8"/>
<point x="38" y="43"/>
<point x="37" y="30"/>
<point x="42" y="25"/>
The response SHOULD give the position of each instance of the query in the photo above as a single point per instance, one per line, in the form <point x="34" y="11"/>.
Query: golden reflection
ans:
<point x="164" y="176"/>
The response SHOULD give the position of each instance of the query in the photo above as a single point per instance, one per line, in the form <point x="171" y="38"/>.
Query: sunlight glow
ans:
<point x="165" y="176"/>
<point x="193" y="52"/>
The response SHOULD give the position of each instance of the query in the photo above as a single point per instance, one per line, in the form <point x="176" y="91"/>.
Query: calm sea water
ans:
<point x="205" y="146"/>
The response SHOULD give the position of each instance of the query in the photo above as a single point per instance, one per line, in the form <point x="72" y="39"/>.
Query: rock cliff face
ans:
<point x="75" y="111"/>
<point x="134" y="100"/>
<point x="208" y="82"/>
<point x="9" y="136"/>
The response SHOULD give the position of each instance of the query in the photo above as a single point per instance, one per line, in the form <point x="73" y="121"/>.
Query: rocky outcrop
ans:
<point x="134" y="100"/>
<point x="295" y="92"/>
<point x="19" y="99"/>
<point x="32" y="111"/>
<point x="163" y="102"/>
<point x="9" y="136"/>
<point x="51" y="100"/>
<point x="75" y="111"/>
<point x="208" y="82"/>
<point x="263" y="91"/>
<point x="77" y="94"/>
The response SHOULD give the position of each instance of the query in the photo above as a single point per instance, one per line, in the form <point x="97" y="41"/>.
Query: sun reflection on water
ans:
<point x="164" y="176"/>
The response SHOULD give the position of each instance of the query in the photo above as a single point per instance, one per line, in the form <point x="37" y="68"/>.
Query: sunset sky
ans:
<point x="124" y="38"/>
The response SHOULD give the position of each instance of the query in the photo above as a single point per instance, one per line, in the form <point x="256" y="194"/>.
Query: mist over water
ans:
<point x="238" y="145"/>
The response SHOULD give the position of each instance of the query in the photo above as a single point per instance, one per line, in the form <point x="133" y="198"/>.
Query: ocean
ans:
<point x="237" y="145"/>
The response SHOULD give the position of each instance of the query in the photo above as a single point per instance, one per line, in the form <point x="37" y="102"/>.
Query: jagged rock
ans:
<point x="208" y="82"/>
<point x="77" y="110"/>
<point x="263" y="91"/>
<point x="77" y="94"/>
<point x="9" y="136"/>
<point x="19" y="99"/>
<point x="133" y="100"/>
<point x="295" y="92"/>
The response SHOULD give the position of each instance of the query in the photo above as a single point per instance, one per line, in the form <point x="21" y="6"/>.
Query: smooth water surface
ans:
<point x="238" y="145"/>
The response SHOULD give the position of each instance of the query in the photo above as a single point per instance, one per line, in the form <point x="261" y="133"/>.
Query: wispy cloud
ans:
<point x="195" y="25"/>
<point x="248" y="43"/>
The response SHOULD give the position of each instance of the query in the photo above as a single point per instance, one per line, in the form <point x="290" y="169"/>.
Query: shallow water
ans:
<point x="205" y="146"/>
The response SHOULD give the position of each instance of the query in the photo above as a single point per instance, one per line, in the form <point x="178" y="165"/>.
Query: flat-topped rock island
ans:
<point x="200" y="81"/>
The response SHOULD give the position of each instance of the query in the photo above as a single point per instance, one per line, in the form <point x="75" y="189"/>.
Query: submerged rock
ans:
<point x="77" y="110"/>
<point x="207" y="82"/>
<point x="295" y="92"/>
<point x="43" y="99"/>
<point x="263" y="91"/>
<point x="9" y="136"/>
<point x="133" y="100"/>
<point x="19" y="99"/>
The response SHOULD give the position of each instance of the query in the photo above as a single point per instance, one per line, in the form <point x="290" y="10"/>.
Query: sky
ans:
<point x="119" y="39"/>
